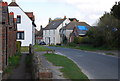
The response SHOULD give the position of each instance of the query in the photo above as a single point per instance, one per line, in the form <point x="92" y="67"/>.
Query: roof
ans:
<point x="73" y="24"/>
<point x="54" y="24"/>
<point x="39" y="33"/>
<point x="30" y="15"/>
<point x="13" y="4"/>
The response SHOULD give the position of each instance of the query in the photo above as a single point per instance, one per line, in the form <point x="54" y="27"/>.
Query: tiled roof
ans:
<point x="54" y="24"/>
<point x="30" y="15"/>
<point x="13" y="4"/>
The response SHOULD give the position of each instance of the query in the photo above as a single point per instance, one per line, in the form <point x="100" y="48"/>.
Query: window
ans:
<point x="20" y="35"/>
<point x="18" y="19"/>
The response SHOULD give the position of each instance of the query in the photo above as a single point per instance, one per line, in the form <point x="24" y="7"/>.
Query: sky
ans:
<point x="88" y="11"/>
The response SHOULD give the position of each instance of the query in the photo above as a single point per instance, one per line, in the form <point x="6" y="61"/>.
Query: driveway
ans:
<point x="94" y="65"/>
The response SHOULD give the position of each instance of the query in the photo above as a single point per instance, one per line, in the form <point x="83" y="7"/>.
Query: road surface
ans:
<point x="94" y="65"/>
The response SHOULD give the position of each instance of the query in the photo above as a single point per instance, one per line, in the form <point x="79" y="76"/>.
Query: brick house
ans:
<point x="69" y="30"/>
<point x="7" y="36"/>
<point x="39" y="35"/>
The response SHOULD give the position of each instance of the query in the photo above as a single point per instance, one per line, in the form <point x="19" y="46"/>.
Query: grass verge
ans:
<point x="24" y="49"/>
<point x="40" y="48"/>
<point x="70" y="70"/>
<point x="13" y="63"/>
<point x="86" y="47"/>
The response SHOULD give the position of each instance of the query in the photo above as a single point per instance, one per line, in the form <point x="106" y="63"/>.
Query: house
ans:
<point x="51" y="33"/>
<point x="25" y="24"/>
<point x="79" y="30"/>
<point x="8" y="29"/>
<point x="39" y="35"/>
<point x="68" y="29"/>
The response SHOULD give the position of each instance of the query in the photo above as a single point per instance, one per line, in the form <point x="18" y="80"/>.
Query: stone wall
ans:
<point x="39" y="70"/>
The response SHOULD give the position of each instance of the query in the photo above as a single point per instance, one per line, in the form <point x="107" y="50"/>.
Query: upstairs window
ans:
<point x="18" y="19"/>
<point x="20" y="35"/>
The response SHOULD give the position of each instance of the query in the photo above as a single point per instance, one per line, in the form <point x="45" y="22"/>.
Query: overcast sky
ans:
<point x="84" y="10"/>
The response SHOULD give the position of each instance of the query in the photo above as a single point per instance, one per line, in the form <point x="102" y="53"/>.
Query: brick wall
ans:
<point x="7" y="35"/>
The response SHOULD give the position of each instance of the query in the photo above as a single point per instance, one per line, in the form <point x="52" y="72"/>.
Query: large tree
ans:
<point x="116" y="10"/>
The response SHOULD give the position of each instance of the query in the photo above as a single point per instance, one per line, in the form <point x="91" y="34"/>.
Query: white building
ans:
<point x="51" y="33"/>
<point x="25" y="24"/>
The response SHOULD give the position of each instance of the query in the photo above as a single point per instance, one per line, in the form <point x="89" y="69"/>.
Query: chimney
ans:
<point x="65" y="17"/>
<point x="13" y="0"/>
<point x="4" y="4"/>
<point x="50" y="20"/>
<point x="11" y="13"/>
<point x="41" y="27"/>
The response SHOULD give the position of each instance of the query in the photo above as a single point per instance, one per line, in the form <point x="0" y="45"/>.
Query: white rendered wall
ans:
<point x="25" y="25"/>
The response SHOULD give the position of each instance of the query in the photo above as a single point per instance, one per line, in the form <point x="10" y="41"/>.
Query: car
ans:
<point x="42" y="43"/>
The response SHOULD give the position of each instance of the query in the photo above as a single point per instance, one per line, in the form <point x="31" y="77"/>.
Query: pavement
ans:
<point x="94" y="65"/>
<point x="20" y="71"/>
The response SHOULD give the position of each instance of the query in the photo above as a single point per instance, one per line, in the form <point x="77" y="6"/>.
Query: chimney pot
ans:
<point x="65" y="17"/>
<point x="13" y="0"/>
<point x="11" y="13"/>
<point x="4" y="4"/>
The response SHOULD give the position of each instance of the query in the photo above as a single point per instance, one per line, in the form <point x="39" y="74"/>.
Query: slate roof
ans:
<point x="54" y="24"/>
<point x="13" y="4"/>
<point x="73" y="24"/>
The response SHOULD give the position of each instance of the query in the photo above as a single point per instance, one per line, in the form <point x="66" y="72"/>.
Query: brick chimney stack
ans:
<point x="65" y="17"/>
<point x="50" y="20"/>
<point x="4" y="4"/>
<point x="13" y="0"/>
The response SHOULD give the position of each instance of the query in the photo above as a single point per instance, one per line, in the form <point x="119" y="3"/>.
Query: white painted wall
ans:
<point x="50" y="34"/>
<point x="25" y="25"/>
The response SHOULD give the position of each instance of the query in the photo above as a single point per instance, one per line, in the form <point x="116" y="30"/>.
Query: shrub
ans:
<point x="18" y="47"/>
<point x="86" y="40"/>
<point x="78" y="40"/>
<point x="72" y="44"/>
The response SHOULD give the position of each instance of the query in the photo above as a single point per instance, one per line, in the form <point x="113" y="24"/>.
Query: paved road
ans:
<point x="94" y="65"/>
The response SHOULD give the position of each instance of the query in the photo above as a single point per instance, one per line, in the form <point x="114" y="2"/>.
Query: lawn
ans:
<point x="40" y="48"/>
<point x="24" y="49"/>
<point x="70" y="70"/>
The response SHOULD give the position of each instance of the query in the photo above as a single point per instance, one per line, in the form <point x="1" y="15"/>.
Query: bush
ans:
<point x="86" y="40"/>
<point x="72" y="44"/>
<point x="18" y="47"/>
<point x="78" y="40"/>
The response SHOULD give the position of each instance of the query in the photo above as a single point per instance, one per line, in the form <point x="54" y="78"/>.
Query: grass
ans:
<point x="39" y="48"/>
<point x="24" y="49"/>
<point x="110" y="54"/>
<point x="85" y="47"/>
<point x="70" y="69"/>
<point x="13" y="63"/>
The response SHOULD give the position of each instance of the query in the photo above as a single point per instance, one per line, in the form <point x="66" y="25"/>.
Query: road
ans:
<point x="94" y="65"/>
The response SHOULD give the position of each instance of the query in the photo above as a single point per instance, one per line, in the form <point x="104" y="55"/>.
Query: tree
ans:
<point x="116" y="10"/>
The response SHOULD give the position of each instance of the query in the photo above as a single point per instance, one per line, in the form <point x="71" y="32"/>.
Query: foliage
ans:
<point x="116" y="10"/>
<point x="24" y="49"/>
<point x="106" y="32"/>
<point x="78" y="40"/>
<point x="13" y="63"/>
<point x="70" y="69"/>
<point x="71" y="44"/>
<point x="18" y="46"/>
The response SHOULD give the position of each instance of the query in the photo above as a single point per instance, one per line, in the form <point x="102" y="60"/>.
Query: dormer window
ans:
<point x="18" y="19"/>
